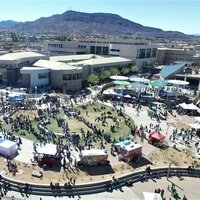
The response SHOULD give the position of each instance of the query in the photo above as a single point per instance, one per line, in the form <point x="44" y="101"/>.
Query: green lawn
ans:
<point x="75" y="125"/>
<point x="92" y="115"/>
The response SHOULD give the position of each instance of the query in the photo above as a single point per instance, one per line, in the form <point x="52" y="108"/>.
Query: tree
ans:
<point x="106" y="74"/>
<point x="125" y="70"/>
<point x="114" y="71"/>
<point x="93" y="79"/>
<point x="133" y="68"/>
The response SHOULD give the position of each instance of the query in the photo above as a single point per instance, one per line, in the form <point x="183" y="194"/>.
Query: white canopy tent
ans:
<point x="197" y="119"/>
<point x="8" y="148"/>
<point x="48" y="149"/>
<point x="139" y="79"/>
<point x="151" y="196"/>
<point x="109" y="92"/>
<point x="190" y="106"/>
<point x="183" y="105"/>
<point x="119" y="78"/>
<point x="178" y="82"/>
<point x="196" y="125"/>
<point x="193" y="107"/>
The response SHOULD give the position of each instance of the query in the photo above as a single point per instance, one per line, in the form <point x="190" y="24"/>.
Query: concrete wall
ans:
<point x="56" y="80"/>
<point x="168" y="56"/>
<point x="34" y="77"/>
<point x="35" y="81"/>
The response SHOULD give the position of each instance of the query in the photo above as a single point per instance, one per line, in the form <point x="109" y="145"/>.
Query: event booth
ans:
<point x="128" y="150"/>
<point x="47" y="155"/>
<point x="189" y="109"/>
<point x="196" y="126"/>
<point x="151" y="196"/>
<point x="8" y="148"/>
<point x="15" y="98"/>
<point x="93" y="157"/>
<point x="156" y="138"/>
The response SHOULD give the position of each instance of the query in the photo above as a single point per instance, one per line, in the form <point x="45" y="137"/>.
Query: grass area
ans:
<point x="74" y="124"/>
<point x="92" y="115"/>
<point x="27" y="135"/>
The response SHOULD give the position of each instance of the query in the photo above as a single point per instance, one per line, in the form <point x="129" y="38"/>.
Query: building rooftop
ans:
<point x="103" y="60"/>
<point x="20" y="55"/>
<point x="72" y="57"/>
<point x="172" y="68"/>
<point x="55" y="65"/>
<point x="33" y="69"/>
<point x="193" y="76"/>
<point x="93" y="152"/>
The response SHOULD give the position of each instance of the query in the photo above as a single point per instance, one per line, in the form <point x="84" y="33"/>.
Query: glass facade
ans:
<point x="154" y="51"/>
<point x="99" y="50"/>
<point x="55" y="45"/>
<point x="148" y="53"/>
<point x="142" y="53"/>
<point x="105" y="50"/>
<point x="43" y="75"/>
<point x="69" y="77"/>
<point x="92" y="49"/>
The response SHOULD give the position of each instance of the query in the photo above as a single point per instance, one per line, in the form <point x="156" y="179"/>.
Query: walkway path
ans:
<point x="188" y="187"/>
<point x="26" y="152"/>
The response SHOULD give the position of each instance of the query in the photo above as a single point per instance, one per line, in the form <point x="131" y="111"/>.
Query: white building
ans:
<point x="35" y="76"/>
<point x="142" y="52"/>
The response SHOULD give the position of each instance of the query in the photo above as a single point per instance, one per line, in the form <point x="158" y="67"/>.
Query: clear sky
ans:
<point x="179" y="15"/>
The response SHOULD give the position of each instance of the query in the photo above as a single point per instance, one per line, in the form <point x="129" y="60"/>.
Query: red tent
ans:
<point x="156" y="136"/>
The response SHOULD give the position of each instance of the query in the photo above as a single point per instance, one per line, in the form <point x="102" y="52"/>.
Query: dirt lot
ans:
<point x="158" y="158"/>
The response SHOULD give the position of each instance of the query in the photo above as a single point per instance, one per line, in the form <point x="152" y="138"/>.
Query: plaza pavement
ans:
<point x="26" y="152"/>
<point x="165" y="125"/>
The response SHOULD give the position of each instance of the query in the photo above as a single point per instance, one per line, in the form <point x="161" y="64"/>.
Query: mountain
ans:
<point x="93" y="24"/>
<point x="7" y="23"/>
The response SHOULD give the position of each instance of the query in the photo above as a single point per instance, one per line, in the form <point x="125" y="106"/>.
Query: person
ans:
<point x="114" y="180"/>
<point x="108" y="187"/>
<point x="162" y="193"/>
<point x="189" y="169"/>
<point x="41" y="174"/>
<point x="184" y="197"/>
<point x="51" y="185"/>
<point x="129" y="183"/>
<point x="148" y="169"/>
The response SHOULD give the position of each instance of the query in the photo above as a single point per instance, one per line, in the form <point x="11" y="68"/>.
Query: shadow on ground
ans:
<point x="141" y="163"/>
<point x="98" y="170"/>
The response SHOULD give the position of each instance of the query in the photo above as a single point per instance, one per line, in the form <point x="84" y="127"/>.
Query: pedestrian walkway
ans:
<point x="26" y="152"/>
<point x="188" y="187"/>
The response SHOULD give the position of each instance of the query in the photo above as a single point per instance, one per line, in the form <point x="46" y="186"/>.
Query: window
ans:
<point x="142" y="53"/>
<point x="92" y="49"/>
<point x="148" y="55"/>
<point x="43" y="75"/>
<point x="116" y="50"/>
<point x="98" y="50"/>
<point x="74" y="76"/>
<point x="154" y="51"/>
<point x="67" y="77"/>
<point x="105" y="50"/>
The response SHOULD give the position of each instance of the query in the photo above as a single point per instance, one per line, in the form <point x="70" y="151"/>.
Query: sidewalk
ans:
<point x="188" y="187"/>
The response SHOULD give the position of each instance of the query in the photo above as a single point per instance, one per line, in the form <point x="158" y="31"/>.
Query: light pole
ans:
<point x="168" y="171"/>
<point x="35" y="91"/>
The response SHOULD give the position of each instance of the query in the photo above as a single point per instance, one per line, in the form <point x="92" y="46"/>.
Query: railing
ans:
<point x="98" y="187"/>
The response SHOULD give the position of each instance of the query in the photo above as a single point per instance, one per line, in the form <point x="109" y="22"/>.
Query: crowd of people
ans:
<point x="52" y="109"/>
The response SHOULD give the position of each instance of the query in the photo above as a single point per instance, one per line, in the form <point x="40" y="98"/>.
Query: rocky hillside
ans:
<point x="93" y="23"/>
